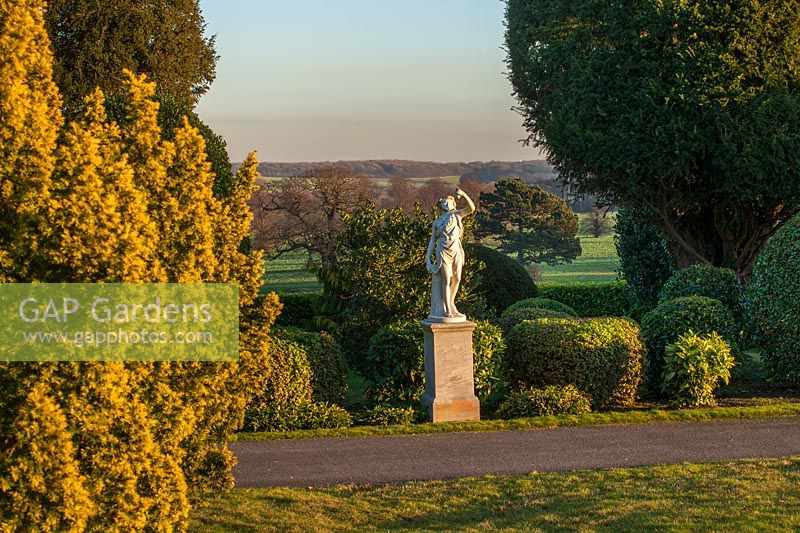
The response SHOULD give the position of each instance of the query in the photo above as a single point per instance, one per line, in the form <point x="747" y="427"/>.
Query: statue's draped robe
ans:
<point x="448" y="229"/>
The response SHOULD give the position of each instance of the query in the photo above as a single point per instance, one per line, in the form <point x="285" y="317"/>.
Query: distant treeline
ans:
<point x="532" y="171"/>
<point x="538" y="172"/>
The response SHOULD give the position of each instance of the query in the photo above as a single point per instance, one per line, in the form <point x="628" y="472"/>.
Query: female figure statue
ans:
<point x="448" y="262"/>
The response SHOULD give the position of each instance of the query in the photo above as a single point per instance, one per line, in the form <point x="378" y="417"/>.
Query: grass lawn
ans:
<point x="288" y="274"/>
<point x="750" y="495"/>
<point x="598" y="262"/>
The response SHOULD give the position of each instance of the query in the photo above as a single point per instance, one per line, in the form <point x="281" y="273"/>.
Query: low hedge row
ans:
<point x="590" y="299"/>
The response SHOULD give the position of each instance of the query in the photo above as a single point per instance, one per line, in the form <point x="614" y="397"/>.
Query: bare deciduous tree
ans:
<point x="303" y="213"/>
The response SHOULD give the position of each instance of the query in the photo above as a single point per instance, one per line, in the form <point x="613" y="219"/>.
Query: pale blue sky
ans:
<point x="316" y="80"/>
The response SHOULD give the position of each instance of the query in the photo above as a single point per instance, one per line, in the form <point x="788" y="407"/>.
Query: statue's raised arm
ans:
<point x="470" y="204"/>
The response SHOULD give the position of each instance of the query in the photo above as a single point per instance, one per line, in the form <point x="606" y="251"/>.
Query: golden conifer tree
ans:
<point x="96" y="445"/>
<point x="31" y="117"/>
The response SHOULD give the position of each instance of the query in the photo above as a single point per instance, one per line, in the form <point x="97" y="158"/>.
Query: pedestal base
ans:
<point x="449" y="382"/>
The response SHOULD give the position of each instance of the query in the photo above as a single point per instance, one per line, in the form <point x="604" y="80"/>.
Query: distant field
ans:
<point x="598" y="262"/>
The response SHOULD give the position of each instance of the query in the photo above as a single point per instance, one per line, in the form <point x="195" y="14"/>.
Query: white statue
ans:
<point x="449" y="258"/>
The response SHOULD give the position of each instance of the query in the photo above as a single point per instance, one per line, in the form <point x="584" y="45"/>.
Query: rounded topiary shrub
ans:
<point x="669" y="320"/>
<point x="328" y="368"/>
<point x="550" y="400"/>
<point x="503" y="279"/>
<point x="290" y="378"/>
<point x="396" y="361"/>
<point x="602" y="357"/>
<point x="704" y="280"/>
<point x="511" y="319"/>
<point x="540" y="303"/>
<point x="773" y="302"/>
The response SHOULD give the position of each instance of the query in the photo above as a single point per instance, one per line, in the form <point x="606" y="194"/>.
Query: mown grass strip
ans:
<point x="772" y="410"/>
<point x="749" y="495"/>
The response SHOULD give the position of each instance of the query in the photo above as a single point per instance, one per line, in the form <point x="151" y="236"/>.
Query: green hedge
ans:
<point x="328" y="368"/>
<point x="590" y="299"/>
<point x="773" y="302"/>
<point x="600" y="356"/>
<point x="539" y="303"/>
<point x="665" y="324"/>
<point x="503" y="279"/>
<point x="299" y="309"/>
<point x="286" y="401"/>
<point x="550" y="400"/>
<point x="390" y="415"/>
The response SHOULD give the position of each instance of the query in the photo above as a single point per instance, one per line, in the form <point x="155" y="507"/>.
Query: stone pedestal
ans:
<point x="449" y="382"/>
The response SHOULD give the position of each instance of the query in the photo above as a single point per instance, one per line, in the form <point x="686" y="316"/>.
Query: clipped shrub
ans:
<point x="290" y="378"/>
<point x="503" y="280"/>
<point x="666" y="323"/>
<point x="645" y="261"/>
<point x="540" y="303"/>
<point x="590" y="299"/>
<point x="509" y="320"/>
<point x="550" y="400"/>
<point x="704" y="280"/>
<point x="299" y="309"/>
<point x="694" y="366"/>
<point x="602" y="357"/>
<point x="396" y="361"/>
<point x="285" y="402"/>
<point x="389" y="415"/>
<point x="772" y="302"/>
<point x="328" y="368"/>
<point x="276" y="416"/>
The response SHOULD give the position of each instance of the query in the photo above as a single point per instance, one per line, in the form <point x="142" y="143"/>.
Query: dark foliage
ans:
<point x="690" y="108"/>
<point x="503" y="279"/>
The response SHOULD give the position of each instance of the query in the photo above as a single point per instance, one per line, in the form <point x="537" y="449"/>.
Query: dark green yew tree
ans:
<point x="533" y="224"/>
<point x="94" y="40"/>
<point x="689" y="108"/>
